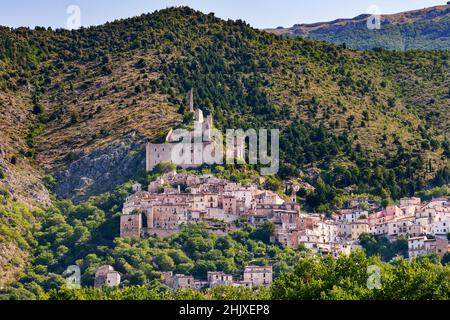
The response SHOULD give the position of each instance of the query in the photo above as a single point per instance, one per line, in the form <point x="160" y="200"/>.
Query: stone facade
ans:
<point x="258" y="276"/>
<point x="219" y="279"/>
<point x="423" y="246"/>
<point x="130" y="225"/>
<point x="253" y="277"/>
<point x="106" y="276"/>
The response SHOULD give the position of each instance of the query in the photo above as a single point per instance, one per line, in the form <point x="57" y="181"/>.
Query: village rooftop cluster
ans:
<point x="164" y="209"/>
<point x="178" y="199"/>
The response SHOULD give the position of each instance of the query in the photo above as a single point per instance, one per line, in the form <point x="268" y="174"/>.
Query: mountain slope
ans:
<point x="126" y="81"/>
<point x="424" y="29"/>
<point x="78" y="106"/>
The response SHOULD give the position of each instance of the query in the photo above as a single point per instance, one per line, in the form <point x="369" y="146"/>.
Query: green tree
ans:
<point x="264" y="232"/>
<point x="164" y="167"/>
<point x="164" y="262"/>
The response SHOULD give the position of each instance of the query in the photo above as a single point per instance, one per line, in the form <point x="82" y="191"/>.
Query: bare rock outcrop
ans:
<point x="101" y="170"/>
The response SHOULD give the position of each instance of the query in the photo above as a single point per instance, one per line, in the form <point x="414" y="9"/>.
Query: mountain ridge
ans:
<point x="397" y="26"/>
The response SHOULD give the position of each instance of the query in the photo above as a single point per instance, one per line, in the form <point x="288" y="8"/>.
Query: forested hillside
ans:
<point x="339" y="110"/>
<point x="77" y="106"/>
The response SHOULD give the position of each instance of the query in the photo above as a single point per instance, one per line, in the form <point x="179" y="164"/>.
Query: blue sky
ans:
<point x="259" y="13"/>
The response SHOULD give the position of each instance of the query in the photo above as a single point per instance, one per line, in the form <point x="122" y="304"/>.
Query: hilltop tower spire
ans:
<point x="191" y="100"/>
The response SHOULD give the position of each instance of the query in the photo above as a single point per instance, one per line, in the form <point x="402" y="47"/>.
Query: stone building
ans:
<point x="136" y="187"/>
<point x="410" y="202"/>
<point x="131" y="225"/>
<point x="219" y="279"/>
<point x="258" y="276"/>
<point x="181" y="281"/>
<point x="352" y="230"/>
<point x="423" y="246"/>
<point x="167" y="278"/>
<point x="106" y="276"/>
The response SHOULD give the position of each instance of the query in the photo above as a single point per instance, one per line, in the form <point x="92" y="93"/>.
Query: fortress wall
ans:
<point x="157" y="153"/>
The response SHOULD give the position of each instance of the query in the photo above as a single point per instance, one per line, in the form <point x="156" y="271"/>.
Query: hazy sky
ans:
<point x="259" y="13"/>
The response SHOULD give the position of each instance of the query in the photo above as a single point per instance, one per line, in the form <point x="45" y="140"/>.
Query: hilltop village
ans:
<point x="177" y="199"/>
<point x="164" y="208"/>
